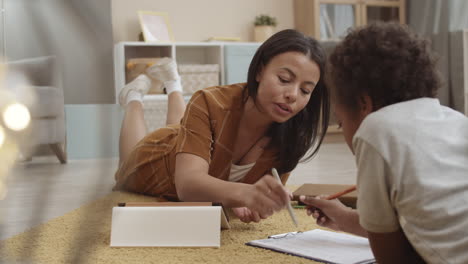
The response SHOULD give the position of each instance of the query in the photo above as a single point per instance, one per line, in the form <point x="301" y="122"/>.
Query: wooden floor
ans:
<point x="44" y="189"/>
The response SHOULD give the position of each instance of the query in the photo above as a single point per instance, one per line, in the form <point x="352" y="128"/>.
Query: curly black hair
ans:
<point x="386" y="61"/>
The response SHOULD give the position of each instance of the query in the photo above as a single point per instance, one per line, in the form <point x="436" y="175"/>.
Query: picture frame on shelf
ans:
<point x="155" y="26"/>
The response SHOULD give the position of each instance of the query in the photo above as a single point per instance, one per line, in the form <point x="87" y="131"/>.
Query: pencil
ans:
<point x="290" y="210"/>
<point x="338" y="194"/>
<point x="299" y="206"/>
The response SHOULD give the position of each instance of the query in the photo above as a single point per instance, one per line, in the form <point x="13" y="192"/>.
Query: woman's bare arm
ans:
<point x="193" y="183"/>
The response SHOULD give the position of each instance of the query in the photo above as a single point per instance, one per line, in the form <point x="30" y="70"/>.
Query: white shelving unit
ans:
<point x="236" y="57"/>
<point x="182" y="52"/>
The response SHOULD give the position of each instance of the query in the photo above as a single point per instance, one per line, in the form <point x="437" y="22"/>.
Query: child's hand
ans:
<point x="246" y="215"/>
<point x="328" y="213"/>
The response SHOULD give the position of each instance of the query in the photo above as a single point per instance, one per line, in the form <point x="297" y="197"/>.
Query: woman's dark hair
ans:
<point x="385" y="61"/>
<point x="306" y="129"/>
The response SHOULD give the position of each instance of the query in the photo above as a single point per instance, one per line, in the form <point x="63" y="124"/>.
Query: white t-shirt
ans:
<point x="238" y="172"/>
<point x="412" y="160"/>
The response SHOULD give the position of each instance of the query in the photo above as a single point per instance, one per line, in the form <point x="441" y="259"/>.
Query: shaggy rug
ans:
<point x="83" y="235"/>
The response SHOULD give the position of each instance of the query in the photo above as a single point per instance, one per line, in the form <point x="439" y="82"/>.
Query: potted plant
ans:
<point x="264" y="27"/>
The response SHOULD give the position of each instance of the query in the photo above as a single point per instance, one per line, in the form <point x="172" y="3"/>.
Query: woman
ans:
<point x="230" y="137"/>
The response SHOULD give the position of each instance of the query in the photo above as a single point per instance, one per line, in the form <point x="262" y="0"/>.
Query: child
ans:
<point x="230" y="137"/>
<point x="411" y="152"/>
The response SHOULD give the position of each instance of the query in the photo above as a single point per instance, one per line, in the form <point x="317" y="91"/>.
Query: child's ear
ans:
<point x="367" y="105"/>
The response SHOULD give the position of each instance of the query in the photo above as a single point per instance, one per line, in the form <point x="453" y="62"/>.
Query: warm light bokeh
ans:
<point x="2" y="136"/>
<point x="16" y="116"/>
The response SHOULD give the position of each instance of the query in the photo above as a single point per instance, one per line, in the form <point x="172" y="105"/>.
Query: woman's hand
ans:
<point x="246" y="215"/>
<point x="265" y="197"/>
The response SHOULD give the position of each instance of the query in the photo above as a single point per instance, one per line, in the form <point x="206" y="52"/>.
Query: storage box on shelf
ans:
<point x="198" y="76"/>
<point x="155" y="111"/>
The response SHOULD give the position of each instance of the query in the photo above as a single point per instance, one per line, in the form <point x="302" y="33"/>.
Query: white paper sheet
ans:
<point x="320" y="245"/>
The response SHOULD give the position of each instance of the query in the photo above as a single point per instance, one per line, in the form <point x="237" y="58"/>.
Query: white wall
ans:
<point x="77" y="32"/>
<point x="198" y="20"/>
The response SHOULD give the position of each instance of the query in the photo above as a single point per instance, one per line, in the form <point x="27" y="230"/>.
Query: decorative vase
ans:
<point x="262" y="33"/>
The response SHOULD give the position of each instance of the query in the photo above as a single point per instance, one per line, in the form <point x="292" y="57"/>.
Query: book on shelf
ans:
<point x="223" y="39"/>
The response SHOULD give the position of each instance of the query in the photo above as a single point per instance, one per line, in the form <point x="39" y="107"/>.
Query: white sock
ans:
<point x="173" y="86"/>
<point x="134" y="96"/>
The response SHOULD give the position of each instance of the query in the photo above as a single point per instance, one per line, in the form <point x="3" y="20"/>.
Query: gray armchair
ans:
<point x="48" y="114"/>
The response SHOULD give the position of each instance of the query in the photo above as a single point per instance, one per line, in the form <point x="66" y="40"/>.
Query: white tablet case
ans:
<point x="178" y="226"/>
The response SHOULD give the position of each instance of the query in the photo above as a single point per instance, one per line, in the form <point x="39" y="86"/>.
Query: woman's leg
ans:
<point x="133" y="125"/>
<point x="131" y="97"/>
<point x="133" y="129"/>
<point x="175" y="108"/>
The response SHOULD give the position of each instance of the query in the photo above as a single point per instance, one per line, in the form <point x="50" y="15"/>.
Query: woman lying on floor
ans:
<point x="222" y="146"/>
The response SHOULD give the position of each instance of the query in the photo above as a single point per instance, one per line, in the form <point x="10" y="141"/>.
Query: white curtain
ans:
<point x="442" y="21"/>
<point x="335" y="20"/>
<point x="77" y="32"/>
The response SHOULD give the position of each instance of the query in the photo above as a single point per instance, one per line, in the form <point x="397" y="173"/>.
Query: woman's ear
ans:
<point x="258" y="77"/>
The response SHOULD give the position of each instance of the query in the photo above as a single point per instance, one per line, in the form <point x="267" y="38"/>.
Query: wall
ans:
<point x="77" y="32"/>
<point x="201" y="19"/>
<point x="93" y="130"/>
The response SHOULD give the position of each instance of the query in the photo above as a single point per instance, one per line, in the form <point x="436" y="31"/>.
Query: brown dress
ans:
<point x="208" y="130"/>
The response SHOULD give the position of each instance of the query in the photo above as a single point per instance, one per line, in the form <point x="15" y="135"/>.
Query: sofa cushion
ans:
<point x="49" y="102"/>
<point x="39" y="71"/>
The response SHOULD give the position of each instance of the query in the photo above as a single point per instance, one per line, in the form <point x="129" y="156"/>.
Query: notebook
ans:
<point x="310" y="189"/>
<point x="320" y="245"/>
